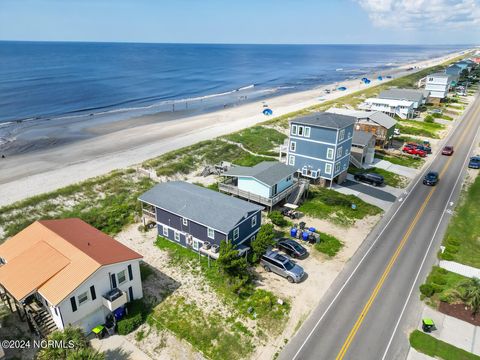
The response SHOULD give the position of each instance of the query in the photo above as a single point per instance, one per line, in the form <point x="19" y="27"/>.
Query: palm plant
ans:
<point x="469" y="292"/>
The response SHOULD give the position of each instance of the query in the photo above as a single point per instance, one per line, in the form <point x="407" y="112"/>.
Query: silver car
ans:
<point x="282" y="265"/>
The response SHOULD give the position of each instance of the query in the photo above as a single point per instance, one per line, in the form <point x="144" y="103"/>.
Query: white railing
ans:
<point x="234" y="190"/>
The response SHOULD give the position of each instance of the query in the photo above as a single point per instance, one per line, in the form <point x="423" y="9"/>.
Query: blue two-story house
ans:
<point x="199" y="218"/>
<point x="319" y="146"/>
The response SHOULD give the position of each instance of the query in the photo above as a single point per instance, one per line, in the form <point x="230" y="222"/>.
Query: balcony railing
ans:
<point x="114" y="299"/>
<point x="234" y="190"/>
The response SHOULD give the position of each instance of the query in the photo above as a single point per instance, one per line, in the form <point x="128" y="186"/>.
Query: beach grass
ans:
<point x="259" y="139"/>
<point x="107" y="202"/>
<point x="438" y="349"/>
<point x="463" y="233"/>
<point x="390" y="178"/>
<point x="420" y="128"/>
<point x="328" y="245"/>
<point x="327" y="204"/>
<point x="209" y="152"/>
<point x="400" y="159"/>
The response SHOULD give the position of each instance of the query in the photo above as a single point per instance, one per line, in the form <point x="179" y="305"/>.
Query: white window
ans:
<point x="339" y="152"/>
<point x="291" y="160"/>
<point x="330" y="153"/>
<point x="294" y="129"/>
<point x="307" y="132"/>
<point x="328" y="168"/>
<point x="165" y="231"/>
<point x="185" y="221"/>
<point x="300" y="131"/>
<point x="236" y="233"/>
<point x="337" y="167"/>
<point x="341" y="135"/>
<point x="121" y="277"/>
<point x="196" y="244"/>
<point x="211" y="233"/>
<point x="177" y="236"/>
<point x="293" y="146"/>
<point x="82" y="298"/>
<point x="254" y="221"/>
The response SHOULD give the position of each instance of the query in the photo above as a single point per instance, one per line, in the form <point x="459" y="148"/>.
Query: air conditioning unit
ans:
<point x="207" y="245"/>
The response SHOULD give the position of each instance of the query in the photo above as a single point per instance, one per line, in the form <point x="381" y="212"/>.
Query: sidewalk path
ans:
<point x="460" y="269"/>
<point x="118" y="347"/>
<point x="408" y="172"/>
<point x="453" y="331"/>
<point x="415" y="355"/>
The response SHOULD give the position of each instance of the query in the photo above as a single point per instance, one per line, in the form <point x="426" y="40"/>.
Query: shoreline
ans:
<point x="34" y="173"/>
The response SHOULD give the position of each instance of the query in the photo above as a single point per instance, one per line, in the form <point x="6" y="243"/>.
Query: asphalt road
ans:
<point x="373" y="304"/>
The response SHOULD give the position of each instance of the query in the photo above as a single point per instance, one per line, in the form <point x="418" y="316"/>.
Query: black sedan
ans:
<point x="431" y="178"/>
<point x="292" y="248"/>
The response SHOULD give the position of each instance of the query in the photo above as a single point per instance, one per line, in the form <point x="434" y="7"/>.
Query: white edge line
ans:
<point x="378" y="237"/>
<point x="428" y="249"/>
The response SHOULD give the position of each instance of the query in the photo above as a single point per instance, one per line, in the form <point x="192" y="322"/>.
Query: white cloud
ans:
<point x="423" y="14"/>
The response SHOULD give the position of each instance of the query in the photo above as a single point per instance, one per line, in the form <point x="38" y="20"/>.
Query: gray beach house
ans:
<point x="319" y="146"/>
<point x="199" y="218"/>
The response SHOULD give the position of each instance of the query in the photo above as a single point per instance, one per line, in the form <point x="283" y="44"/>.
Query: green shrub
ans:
<point x="129" y="324"/>
<point x="262" y="241"/>
<point x="438" y="279"/>
<point x="451" y="249"/>
<point x="329" y="245"/>
<point x="429" y="119"/>
<point x="278" y="219"/>
<point x="427" y="290"/>
<point x="447" y="256"/>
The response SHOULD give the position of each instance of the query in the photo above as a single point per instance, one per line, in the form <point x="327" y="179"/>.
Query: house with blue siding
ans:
<point x="267" y="183"/>
<point x="199" y="218"/>
<point x="319" y="146"/>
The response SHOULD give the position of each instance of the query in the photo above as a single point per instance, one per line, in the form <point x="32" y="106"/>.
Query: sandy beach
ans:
<point x="34" y="173"/>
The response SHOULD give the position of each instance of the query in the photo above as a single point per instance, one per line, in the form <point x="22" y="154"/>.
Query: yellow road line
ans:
<point x="393" y="259"/>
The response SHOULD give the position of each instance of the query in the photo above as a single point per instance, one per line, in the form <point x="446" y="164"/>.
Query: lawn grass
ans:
<point x="400" y="159"/>
<point x="268" y="313"/>
<point x="259" y="139"/>
<point x="420" y="128"/>
<point x="462" y="239"/>
<point x="210" y="152"/>
<point x="331" y="205"/>
<point x="328" y="245"/>
<point x="431" y="346"/>
<point x="210" y="333"/>
<point x="440" y="283"/>
<point x="390" y="178"/>
<point x="107" y="202"/>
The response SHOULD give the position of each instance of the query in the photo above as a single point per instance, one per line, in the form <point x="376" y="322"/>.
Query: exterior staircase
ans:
<point x="355" y="162"/>
<point x="297" y="194"/>
<point x="42" y="322"/>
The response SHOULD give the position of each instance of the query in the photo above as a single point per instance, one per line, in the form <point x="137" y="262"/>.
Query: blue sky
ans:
<point x="246" y="21"/>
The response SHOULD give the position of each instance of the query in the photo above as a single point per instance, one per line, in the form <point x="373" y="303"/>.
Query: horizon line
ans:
<point x="224" y="43"/>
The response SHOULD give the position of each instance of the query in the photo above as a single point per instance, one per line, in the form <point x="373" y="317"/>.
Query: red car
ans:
<point x="447" y="150"/>
<point x="414" y="151"/>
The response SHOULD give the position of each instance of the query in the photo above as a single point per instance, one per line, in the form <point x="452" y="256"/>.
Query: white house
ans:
<point x="402" y="108"/>
<point x="419" y="97"/>
<point x="438" y="84"/>
<point x="65" y="272"/>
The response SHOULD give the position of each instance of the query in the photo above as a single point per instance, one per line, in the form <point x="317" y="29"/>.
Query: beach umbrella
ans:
<point x="342" y="88"/>
<point x="380" y="78"/>
<point x="267" y="112"/>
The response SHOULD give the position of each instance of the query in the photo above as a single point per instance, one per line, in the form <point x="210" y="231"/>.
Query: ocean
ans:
<point x="71" y="82"/>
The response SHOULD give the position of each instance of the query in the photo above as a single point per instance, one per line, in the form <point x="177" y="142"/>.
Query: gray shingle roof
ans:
<point x="382" y="119"/>
<point x="361" y="137"/>
<point x="325" y="119"/>
<point x="205" y="206"/>
<point x="438" y="74"/>
<point x="268" y="172"/>
<point x="402" y="94"/>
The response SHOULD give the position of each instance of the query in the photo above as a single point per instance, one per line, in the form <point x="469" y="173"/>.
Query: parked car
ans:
<point x="427" y="149"/>
<point x="431" y="178"/>
<point x="435" y="111"/>
<point x="447" y="150"/>
<point x="474" y="162"/>
<point x="370" y="178"/>
<point x="282" y="265"/>
<point x="414" y="151"/>
<point x="292" y="248"/>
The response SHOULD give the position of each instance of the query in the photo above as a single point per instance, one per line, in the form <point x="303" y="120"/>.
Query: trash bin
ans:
<point x="428" y="325"/>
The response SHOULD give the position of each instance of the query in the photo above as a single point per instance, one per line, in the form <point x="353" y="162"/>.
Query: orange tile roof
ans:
<point x="85" y="248"/>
